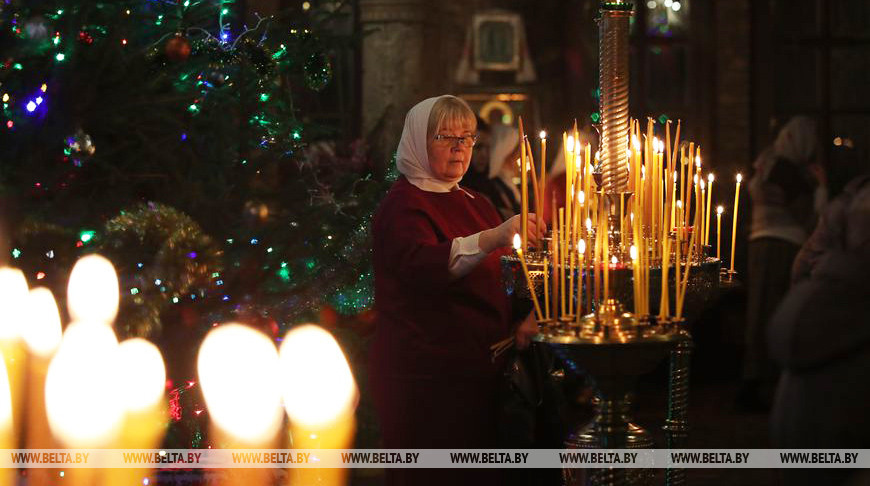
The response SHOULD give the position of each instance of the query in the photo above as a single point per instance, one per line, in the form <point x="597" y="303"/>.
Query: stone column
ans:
<point x="403" y="62"/>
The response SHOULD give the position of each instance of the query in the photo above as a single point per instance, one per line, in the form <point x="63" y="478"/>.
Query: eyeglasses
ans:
<point x="450" y="141"/>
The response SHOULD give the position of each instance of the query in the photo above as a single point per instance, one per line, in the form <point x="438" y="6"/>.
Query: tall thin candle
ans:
<point x="719" y="210"/>
<point x="532" y="292"/>
<point x="734" y="225"/>
<point x="524" y="191"/>
<point x="710" y="179"/>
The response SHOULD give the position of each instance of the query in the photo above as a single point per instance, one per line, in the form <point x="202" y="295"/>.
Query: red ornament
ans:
<point x="85" y="38"/>
<point x="178" y="48"/>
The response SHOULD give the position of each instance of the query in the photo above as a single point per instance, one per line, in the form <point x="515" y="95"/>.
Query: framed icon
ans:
<point x="497" y="41"/>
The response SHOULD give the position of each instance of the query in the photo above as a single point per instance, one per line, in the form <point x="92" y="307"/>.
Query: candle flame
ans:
<point x="719" y="209"/>
<point x="588" y="224"/>
<point x="570" y="143"/>
<point x="635" y="143"/>
<point x="518" y="242"/>
<point x="632" y="251"/>
<point x="578" y="148"/>
<point x="680" y="204"/>
<point x="711" y="177"/>
<point x="238" y="372"/>
<point x="703" y="185"/>
<point x="543" y="135"/>
<point x="698" y="161"/>
<point x="93" y="290"/>
<point x="141" y="365"/>
<point x="581" y="246"/>
<point x="317" y="381"/>
<point x="613" y="260"/>
<point x="581" y="197"/>
<point x="739" y="177"/>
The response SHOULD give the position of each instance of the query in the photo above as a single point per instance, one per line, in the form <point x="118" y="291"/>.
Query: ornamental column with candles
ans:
<point x="647" y="245"/>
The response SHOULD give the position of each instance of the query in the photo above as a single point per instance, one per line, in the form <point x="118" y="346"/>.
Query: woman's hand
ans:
<point x="528" y="328"/>
<point x="503" y="234"/>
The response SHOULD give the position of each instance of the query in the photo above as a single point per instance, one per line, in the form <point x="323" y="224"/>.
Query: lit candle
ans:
<point x="142" y="397"/>
<point x="13" y="316"/>
<point x="719" y="210"/>
<point x="93" y="290"/>
<point x="42" y="336"/>
<point x="562" y="260"/>
<point x="517" y="247"/>
<point x="546" y="288"/>
<point x="320" y="396"/>
<point x="237" y="369"/>
<point x="700" y="215"/>
<point x="581" y="257"/>
<point x="524" y="191"/>
<point x="82" y="408"/>
<point x="543" y="180"/>
<point x="734" y="221"/>
<point x="7" y="437"/>
<point x="710" y="179"/>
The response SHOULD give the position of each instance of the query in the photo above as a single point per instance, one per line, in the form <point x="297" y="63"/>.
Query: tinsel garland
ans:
<point x="174" y="259"/>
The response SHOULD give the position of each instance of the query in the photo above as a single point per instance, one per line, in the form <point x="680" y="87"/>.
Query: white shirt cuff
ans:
<point x="465" y="254"/>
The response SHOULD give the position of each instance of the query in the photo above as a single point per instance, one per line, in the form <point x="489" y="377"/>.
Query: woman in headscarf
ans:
<point x="439" y="300"/>
<point x="786" y="193"/>
<point x="504" y="171"/>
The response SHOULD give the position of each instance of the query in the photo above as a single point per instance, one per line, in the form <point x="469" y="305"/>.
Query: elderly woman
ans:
<point x="438" y="295"/>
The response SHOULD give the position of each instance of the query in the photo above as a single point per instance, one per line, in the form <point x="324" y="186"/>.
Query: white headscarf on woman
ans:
<point x="412" y="159"/>
<point x="797" y="140"/>
<point x="504" y="140"/>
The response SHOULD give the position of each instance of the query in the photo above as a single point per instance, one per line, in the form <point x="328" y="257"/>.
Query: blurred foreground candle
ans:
<point x="6" y="435"/>
<point x="13" y="301"/>
<point x="84" y="410"/>
<point x="93" y="290"/>
<point x="144" y="378"/>
<point x="320" y="397"/>
<point x="42" y="336"/>
<point x="237" y="368"/>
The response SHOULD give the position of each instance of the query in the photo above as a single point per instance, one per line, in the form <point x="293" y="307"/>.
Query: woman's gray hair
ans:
<point x="450" y="110"/>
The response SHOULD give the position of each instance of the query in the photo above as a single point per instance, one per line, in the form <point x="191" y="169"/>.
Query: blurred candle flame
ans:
<point x="93" y="290"/>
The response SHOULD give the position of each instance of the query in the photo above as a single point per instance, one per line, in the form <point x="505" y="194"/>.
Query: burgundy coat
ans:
<point x="433" y="380"/>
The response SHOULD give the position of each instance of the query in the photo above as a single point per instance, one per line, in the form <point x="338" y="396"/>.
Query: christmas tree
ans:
<point x="164" y="135"/>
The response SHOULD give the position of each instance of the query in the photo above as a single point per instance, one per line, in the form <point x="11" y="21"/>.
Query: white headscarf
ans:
<point x="504" y="141"/>
<point x="412" y="159"/>
<point x="797" y="140"/>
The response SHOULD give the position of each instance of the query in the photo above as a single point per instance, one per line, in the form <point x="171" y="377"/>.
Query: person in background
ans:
<point x="785" y="191"/>
<point x="477" y="177"/>
<point x="503" y="173"/>
<point x="820" y="338"/>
